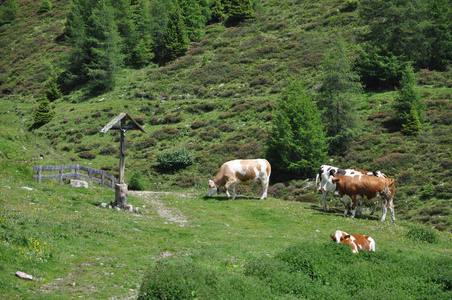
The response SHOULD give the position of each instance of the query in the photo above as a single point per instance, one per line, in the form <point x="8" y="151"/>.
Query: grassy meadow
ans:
<point x="186" y="246"/>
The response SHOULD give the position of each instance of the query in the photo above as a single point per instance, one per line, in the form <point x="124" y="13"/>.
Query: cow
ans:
<point x="354" y="240"/>
<point x="367" y="188"/>
<point x="324" y="174"/>
<point x="236" y="171"/>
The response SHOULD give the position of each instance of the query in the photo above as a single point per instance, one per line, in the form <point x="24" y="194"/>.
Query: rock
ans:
<point x="27" y="188"/>
<point x="105" y="204"/>
<point x="24" y="275"/>
<point x="79" y="183"/>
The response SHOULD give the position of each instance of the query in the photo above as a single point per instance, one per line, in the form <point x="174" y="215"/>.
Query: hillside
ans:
<point x="217" y="101"/>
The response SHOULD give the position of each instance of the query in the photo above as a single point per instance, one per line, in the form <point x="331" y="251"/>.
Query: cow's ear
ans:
<point x="333" y="237"/>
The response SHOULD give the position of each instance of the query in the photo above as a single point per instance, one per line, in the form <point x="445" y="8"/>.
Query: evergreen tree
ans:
<point x="143" y="53"/>
<point x="238" y="11"/>
<point x="43" y="113"/>
<point x="159" y="16"/>
<point x="195" y="13"/>
<point x="337" y="98"/>
<point x="407" y="99"/>
<point x="127" y="28"/>
<point x="45" y="6"/>
<point x="175" y="41"/>
<point x="8" y="11"/>
<point x="105" y="48"/>
<point x="413" y="125"/>
<point x="217" y="11"/>
<point x="297" y="144"/>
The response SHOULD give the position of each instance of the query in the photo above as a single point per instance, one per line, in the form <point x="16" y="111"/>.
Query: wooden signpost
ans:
<point x="121" y="187"/>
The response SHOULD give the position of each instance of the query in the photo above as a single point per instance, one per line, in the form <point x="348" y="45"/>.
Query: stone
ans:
<point x="27" y="188"/>
<point x="79" y="183"/>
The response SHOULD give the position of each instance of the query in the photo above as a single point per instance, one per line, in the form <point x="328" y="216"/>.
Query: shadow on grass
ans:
<point x="226" y="198"/>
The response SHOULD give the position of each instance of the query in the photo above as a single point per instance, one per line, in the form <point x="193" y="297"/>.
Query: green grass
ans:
<point x="62" y="236"/>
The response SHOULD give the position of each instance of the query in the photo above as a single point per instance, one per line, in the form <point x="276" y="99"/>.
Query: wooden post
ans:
<point x="77" y="168"/>
<point x="122" y="152"/>
<point x="61" y="174"/>
<point x="102" y="179"/>
<point x="39" y="173"/>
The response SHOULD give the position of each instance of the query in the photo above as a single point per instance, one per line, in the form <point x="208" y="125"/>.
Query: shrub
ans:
<point x="136" y="182"/>
<point x="198" y="124"/>
<point x="421" y="233"/>
<point x="43" y="113"/>
<point x="171" y="160"/>
<point x="87" y="155"/>
<point x="45" y="6"/>
<point x="109" y="150"/>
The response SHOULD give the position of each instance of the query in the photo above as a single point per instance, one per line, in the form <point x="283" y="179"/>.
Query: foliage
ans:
<point x="171" y="160"/>
<point x="53" y="91"/>
<point x="413" y="125"/>
<point x="408" y="100"/>
<point x="45" y="6"/>
<point x="337" y="98"/>
<point x="237" y="10"/>
<point x="402" y="31"/>
<point x="297" y="143"/>
<point x="43" y="113"/>
<point x="136" y="182"/>
<point x="175" y="40"/>
<point x="422" y="234"/>
<point x="8" y="11"/>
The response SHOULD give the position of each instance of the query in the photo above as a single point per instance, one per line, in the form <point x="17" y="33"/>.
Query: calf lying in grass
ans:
<point x="354" y="240"/>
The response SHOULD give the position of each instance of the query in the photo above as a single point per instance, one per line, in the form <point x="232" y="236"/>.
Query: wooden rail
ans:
<point x="102" y="179"/>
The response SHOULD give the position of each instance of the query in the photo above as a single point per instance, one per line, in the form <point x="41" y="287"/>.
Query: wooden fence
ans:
<point x="101" y="177"/>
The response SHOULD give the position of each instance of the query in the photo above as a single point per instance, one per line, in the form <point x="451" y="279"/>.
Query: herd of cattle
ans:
<point x="354" y="187"/>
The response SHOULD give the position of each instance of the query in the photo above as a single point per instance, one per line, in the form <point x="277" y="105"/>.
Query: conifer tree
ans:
<point x="43" y="113"/>
<point x="407" y="99"/>
<point x="8" y="11"/>
<point x="238" y="10"/>
<point x="175" y="40"/>
<point x="413" y="125"/>
<point x="297" y="143"/>
<point x="105" y="48"/>
<point x="337" y="98"/>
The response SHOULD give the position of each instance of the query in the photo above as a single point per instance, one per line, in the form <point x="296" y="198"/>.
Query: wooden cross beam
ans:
<point x="122" y="117"/>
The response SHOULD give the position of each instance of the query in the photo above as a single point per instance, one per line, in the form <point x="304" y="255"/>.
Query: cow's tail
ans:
<point x="316" y="180"/>
<point x="387" y="190"/>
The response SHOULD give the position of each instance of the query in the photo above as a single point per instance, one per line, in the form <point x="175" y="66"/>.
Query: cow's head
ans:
<point x="212" y="189"/>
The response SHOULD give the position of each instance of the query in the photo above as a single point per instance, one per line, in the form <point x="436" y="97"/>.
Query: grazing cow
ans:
<point x="236" y="171"/>
<point x="367" y="188"/>
<point x="354" y="240"/>
<point x="324" y="175"/>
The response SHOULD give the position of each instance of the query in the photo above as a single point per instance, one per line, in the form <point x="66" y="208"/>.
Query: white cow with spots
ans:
<point x="327" y="187"/>
<point x="235" y="171"/>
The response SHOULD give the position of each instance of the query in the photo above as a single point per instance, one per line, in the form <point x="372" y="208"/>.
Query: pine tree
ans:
<point x="297" y="144"/>
<point x="175" y="40"/>
<point x="413" y="125"/>
<point x="43" y="113"/>
<point x="337" y="98"/>
<point x="8" y="11"/>
<point x="238" y="11"/>
<point x="407" y="99"/>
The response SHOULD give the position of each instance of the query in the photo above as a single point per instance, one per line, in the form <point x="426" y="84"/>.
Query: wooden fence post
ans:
<point x="90" y="173"/>
<point x="61" y="174"/>
<point x="102" y="181"/>
<point x="77" y="168"/>
<point x="39" y="173"/>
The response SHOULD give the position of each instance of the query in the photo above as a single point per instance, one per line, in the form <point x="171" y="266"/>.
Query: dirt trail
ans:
<point x="170" y="213"/>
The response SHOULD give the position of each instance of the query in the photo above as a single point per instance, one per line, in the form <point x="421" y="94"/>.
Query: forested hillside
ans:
<point x="363" y="84"/>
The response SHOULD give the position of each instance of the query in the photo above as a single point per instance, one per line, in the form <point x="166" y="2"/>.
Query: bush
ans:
<point x="421" y="233"/>
<point x="171" y="160"/>
<point x="45" y="6"/>
<point x="43" y="113"/>
<point x="87" y="155"/>
<point x="136" y="182"/>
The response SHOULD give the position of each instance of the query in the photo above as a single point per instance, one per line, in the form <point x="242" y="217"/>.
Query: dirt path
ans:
<point x="170" y="213"/>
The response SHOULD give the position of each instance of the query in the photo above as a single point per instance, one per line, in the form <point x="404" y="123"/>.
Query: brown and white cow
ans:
<point x="354" y="240"/>
<point x="324" y="174"/>
<point x="366" y="188"/>
<point x="236" y="171"/>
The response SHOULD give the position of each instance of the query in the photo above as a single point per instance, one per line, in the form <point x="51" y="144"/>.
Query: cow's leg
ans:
<point x="353" y="206"/>
<point x="384" y="208"/>
<point x="347" y="206"/>
<point x="391" y="207"/>
<point x="374" y="209"/>
<point x="230" y="182"/>
<point x="359" y="209"/>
